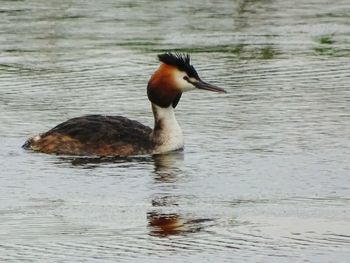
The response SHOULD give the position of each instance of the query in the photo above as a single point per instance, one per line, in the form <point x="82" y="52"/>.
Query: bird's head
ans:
<point x="174" y="76"/>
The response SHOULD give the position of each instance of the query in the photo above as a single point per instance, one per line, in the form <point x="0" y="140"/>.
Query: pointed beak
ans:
<point x="206" y="86"/>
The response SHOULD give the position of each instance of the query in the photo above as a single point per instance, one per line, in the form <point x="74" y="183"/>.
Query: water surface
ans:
<point x="264" y="176"/>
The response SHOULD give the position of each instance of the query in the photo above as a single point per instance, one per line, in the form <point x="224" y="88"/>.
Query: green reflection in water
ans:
<point x="267" y="52"/>
<point x="326" y="47"/>
<point x="326" y="40"/>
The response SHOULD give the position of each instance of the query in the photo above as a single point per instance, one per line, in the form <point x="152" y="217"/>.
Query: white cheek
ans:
<point x="181" y="83"/>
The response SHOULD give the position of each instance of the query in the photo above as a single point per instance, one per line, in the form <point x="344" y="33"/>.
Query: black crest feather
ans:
<point x="180" y="61"/>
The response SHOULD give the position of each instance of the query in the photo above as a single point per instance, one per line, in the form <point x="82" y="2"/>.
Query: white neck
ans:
<point x="167" y="133"/>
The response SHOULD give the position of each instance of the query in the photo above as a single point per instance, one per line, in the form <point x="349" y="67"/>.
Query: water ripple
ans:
<point x="264" y="175"/>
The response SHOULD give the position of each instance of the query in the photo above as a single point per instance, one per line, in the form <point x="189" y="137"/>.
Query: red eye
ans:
<point x="186" y="78"/>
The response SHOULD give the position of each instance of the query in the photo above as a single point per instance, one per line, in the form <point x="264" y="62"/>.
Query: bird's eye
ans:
<point x="186" y="78"/>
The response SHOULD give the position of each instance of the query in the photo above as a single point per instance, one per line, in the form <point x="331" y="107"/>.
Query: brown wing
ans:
<point x="95" y="135"/>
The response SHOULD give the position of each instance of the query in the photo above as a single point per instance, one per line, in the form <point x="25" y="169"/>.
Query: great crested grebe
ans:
<point x="100" y="135"/>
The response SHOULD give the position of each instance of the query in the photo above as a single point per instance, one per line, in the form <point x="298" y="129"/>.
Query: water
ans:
<point x="264" y="176"/>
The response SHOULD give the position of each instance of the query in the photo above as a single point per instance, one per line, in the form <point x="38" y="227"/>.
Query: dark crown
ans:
<point x="180" y="61"/>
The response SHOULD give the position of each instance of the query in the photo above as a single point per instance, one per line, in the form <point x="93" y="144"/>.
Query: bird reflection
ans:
<point x="92" y="162"/>
<point x="168" y="169"/>
<point x="166" y="166"/>
<point x="163" y="225"/>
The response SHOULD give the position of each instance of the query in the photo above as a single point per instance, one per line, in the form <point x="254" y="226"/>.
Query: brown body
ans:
<point x="95" y="135"/>
<point x="118" y="136"/>
<point x="98" y="135"/>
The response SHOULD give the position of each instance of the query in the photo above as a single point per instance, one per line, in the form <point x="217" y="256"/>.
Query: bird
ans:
<point x="101" y="135"/>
